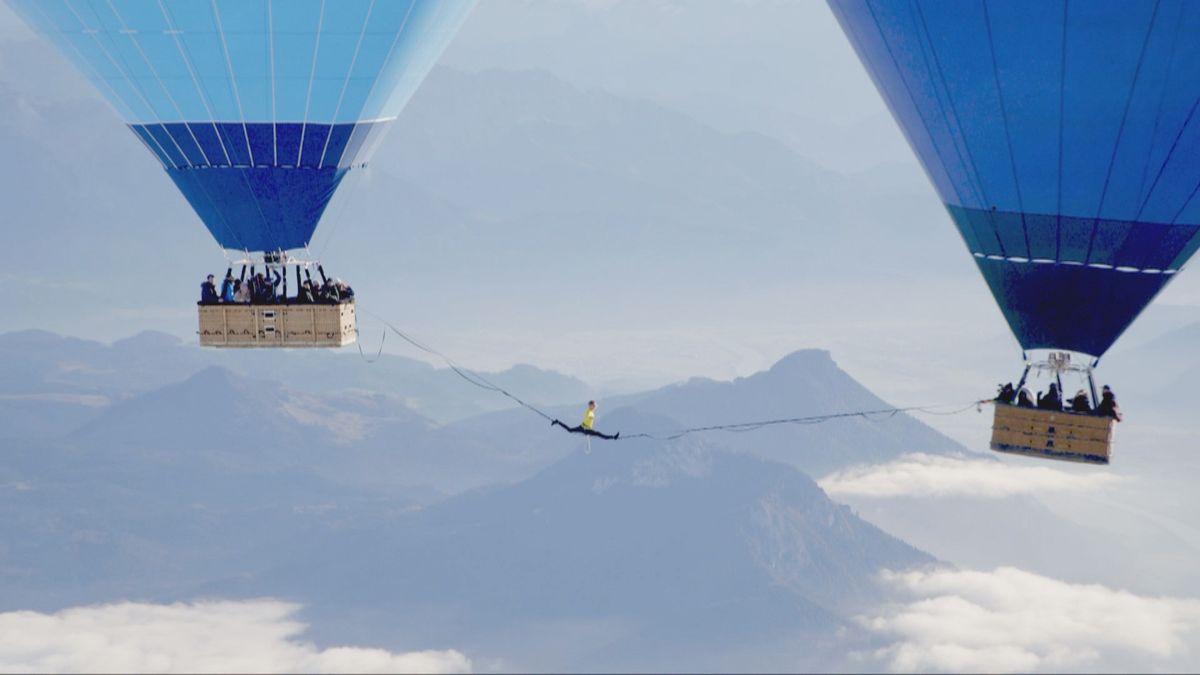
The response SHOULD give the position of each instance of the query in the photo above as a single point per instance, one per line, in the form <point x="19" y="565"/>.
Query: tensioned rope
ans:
<point x="741" y="427"/>
<point x="738" y="427"/>
<point x="466" y="374"/>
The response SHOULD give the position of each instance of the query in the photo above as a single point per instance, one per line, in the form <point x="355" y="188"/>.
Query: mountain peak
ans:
<point x="804" y="360"/>
<point x="213" y="375"/>
<point x="22" y="338"/>
<point x="803" y="384"/>
<point x="147" y="339"/>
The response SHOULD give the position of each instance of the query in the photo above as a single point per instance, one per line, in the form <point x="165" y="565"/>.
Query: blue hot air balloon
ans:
<point x="1062" y="138"/>
<point x="256" y="108"/>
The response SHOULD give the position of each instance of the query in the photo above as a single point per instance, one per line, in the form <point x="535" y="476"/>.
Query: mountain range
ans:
<point x="494" y="533"/>
<point x="641" y="555"/>
<point x="153" y="470"/>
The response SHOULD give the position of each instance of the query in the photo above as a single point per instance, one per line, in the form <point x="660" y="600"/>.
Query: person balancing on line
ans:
<point x="585" y="427"/>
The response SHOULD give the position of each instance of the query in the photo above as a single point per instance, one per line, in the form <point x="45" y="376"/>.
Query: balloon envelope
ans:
<point x="256" y="108"/>
<point x="1061" y="137"/>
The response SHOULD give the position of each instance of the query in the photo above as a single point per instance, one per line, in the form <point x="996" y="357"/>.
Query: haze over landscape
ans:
<point x="696" y="212"/>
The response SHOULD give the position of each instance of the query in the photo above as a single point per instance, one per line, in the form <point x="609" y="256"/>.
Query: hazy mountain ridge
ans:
<point x="150" y="391"/>
<point x="650" y="526"/>
<point x="90" y="375"/>
<point x="779" y="68"/>
<point x="627" y="180"/>
<point x="230" y="486"/>
<point x="233" y="486"/>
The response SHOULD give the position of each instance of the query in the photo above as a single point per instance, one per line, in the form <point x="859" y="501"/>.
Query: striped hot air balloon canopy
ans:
<point x="256" y="108"/>
<point x="1062" y="138"/>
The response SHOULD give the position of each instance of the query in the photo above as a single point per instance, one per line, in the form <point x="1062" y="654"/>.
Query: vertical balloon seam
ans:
<point x="220" y="135"/>
<point x="1162" y="99"/>
<point x="1121" y="129"/>
<point x="187" y="125"/>
<point x="1012" y="159"/>
<point x="942" y="89"/>
<point x="311" y="79"/>
<point x="1137" y="256"/>
<point x="205" y="99"/>
<point x="123" y="69"/>
<point x="854" y="38"/>
<point x="1062" y="111"/>
<point x="961" y="144"/>
<point x="382" y="115"/>
<point x="267" y="225"/>
<point x="346" y="83"/>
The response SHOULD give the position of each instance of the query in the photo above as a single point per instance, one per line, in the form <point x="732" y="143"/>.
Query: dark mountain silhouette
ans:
<point x="678" y="544"/>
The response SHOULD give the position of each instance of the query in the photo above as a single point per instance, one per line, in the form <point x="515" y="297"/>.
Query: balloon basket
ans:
<point x="242" y="326"/>
<point x="1050" y="434"/>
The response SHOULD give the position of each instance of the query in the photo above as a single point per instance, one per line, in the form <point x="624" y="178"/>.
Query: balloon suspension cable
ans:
<point x="378" y="354"/>
<point x="881" y="413"/>
<point x="1057" y="364"/>
<point x="482" y="382"/>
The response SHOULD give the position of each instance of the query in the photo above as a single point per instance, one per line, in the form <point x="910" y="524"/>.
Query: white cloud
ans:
<point x="921" y="475"/>
<point x="218" y="636"/>
<point x="1009" y="620"/>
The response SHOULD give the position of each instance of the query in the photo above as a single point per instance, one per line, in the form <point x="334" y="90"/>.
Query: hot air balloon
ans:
<point x="1061" y="137"/>
<point x="256" y="109"/>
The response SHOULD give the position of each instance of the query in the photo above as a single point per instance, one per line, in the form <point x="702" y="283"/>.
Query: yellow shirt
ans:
<point x="588" y="418"/>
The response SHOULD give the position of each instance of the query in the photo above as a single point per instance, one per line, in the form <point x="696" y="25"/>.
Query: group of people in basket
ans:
<point x="1053" y="400"/>
<point x="260" y="289"/>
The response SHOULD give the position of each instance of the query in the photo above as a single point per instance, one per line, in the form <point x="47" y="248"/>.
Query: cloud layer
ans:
<point x="921" y="475"/>
<point x="248" y="636"/>
<point x="1009" y="620"/>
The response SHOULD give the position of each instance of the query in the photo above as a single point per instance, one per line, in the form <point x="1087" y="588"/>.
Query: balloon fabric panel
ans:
<point x="1059" y="136"/>
<point x="255" y="108"/>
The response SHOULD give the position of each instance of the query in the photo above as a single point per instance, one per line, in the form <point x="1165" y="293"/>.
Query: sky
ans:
<point x="11" y="27"/>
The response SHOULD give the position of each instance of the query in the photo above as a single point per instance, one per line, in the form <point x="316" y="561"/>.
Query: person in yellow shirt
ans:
<point x="585" y="427"/>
